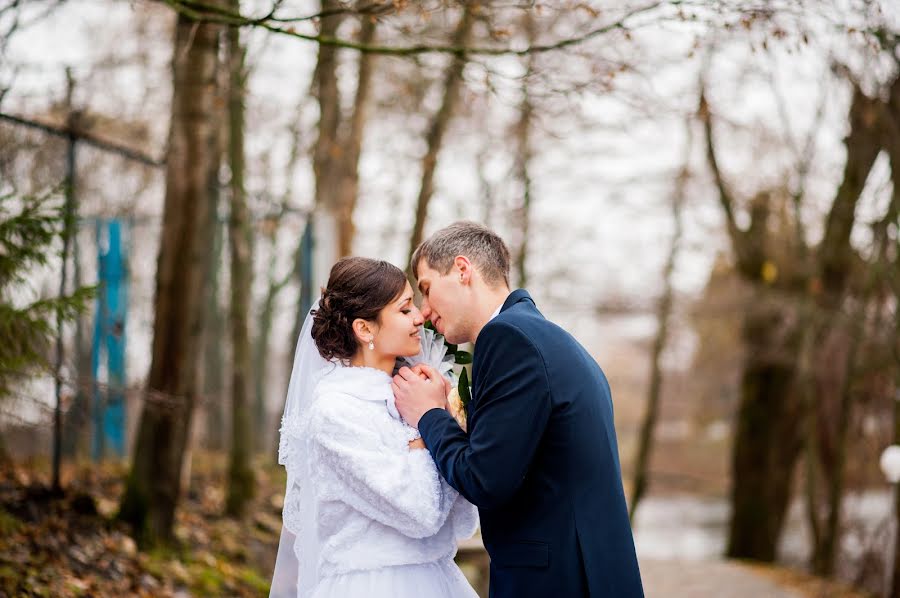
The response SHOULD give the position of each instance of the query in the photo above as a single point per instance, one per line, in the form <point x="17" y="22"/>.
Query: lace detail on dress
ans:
<point x="292" y="435"/>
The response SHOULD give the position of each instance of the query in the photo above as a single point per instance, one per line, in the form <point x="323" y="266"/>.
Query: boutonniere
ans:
<point x="461" y="394"/>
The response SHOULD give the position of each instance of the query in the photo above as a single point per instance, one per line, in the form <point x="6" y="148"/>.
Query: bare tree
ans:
<point x="261" y="346"/>
<point x="213" y="327"/>
<point x="893" y="148"/>
<point x="338" y="145"/>
<point x="326" y="154"/>
<point x="524" y="153"/>
<point x="276" y="283"/>
<point x="830" y="415"/>
<point x="663" y="318"/>
<point x="153" y="485"/>
<point x="348" y="175"/>
<point x="214" y="318"/>
<point x="769" y="434"/>
<point x="453" y="80"/>
<point x="241" y="482"/>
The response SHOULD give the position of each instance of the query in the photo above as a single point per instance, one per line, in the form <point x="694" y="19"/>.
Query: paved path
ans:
<point x="664" y="578"/>
<point x="707" y="579"/>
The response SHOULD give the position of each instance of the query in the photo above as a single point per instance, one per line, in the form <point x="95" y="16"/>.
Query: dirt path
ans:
<point x="707" y="579"/>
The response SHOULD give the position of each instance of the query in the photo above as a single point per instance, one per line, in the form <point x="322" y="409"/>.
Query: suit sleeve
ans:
<point x="509" y="414"/>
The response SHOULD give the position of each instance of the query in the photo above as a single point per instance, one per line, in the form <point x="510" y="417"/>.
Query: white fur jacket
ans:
<point x="380" y="503"/>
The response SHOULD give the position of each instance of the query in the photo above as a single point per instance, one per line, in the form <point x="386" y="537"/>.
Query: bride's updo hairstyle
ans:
<point x="358" y="287"/>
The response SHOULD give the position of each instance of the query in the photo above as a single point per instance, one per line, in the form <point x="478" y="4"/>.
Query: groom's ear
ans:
<point x="464" y="266"/>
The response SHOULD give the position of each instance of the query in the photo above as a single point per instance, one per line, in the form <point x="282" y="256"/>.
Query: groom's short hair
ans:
<point x="481" y="245"/>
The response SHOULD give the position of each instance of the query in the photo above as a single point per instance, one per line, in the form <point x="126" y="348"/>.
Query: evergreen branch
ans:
<point x="28" y="225"/>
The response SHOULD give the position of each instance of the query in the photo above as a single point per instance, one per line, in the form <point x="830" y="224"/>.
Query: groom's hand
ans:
<point x="416" y="395"/>
<point x="420" y="370"/>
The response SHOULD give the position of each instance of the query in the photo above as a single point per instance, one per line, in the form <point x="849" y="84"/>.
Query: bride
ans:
<point x="366" y="513"/>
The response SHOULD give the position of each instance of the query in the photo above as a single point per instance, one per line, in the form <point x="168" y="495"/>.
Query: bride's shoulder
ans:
<point x="335" y="403"/>
<point x="351" y="395"/>
<point x="331" y="402"/>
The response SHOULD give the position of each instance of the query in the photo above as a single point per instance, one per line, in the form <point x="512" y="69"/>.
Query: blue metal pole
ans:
<point x="117" y="305"/>
<point x="109" y="340"/>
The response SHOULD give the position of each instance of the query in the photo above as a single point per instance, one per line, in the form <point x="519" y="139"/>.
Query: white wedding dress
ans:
<point x="375" y="516"/>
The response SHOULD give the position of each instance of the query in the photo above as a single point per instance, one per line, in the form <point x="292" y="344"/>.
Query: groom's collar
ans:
<point x="515" y="297"/>
<point x="497" y="311"/>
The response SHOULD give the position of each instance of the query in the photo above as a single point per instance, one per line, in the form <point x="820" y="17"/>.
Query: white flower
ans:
<point x="890" y="463"/>
<point x="456" y="407"/>
<point x="433" y="353"/>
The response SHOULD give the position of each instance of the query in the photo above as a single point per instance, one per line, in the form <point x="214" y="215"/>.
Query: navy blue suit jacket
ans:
<point x="541" y="462"/>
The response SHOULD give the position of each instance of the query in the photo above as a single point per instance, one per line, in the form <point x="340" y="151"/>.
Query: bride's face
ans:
<point x="398" y="326"/>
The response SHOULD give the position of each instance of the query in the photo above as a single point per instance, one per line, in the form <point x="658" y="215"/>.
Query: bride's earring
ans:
<point x="371" y="345"/>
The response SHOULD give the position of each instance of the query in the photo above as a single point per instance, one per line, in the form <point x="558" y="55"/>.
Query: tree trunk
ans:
<point x="895" y="566"/>
<point x="327" y="154"/>
<point x="335" y="157"/>
<point x="768" y="437"/>
<point x="825" y="553"/>
<point x="210" y="367"/>
<point x="241" y="482"/>
<point x="348" y="175"/>
<point x="213" y="325"/>
<point x="262" y="345"/>
<point x="261" y="350"/>
<point x="863" y="144"/>
<point x="826" y="543"/>
<point x="523" y="157"/>
<point x="71" y="219"/>
<point x="806" y="389"/>
<point x="485" y="189"/>
<point x="895" y="575"/>
<point x="836" y="256"/>
<point x="77" y="428"/>
<point x="453" y="79"/>
<point x="664" y="313"/>
<point x="892" y="145"/>
<point x="295" y="273"/>
<point x="214" y="346"/>
<point x="153" y="485"/>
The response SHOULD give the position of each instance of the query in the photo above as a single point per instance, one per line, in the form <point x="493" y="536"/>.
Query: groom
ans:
<point x="540" y="460"/>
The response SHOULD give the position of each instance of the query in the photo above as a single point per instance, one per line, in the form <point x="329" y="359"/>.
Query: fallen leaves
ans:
<point x="70" y="545"/>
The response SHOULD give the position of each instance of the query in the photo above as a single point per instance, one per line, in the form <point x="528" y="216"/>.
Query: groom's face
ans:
<point x="444" y="302"/>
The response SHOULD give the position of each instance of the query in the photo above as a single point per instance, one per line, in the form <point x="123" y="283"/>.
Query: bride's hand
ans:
<point x="418" y="443"/>
<point x="420" y="370"/>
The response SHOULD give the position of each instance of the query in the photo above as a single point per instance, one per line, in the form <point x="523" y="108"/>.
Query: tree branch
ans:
<point x="370" y="9"/>
<point x="725" y="198"/>
<point x="863" y="143"/>
<point x="201" y="11"/>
